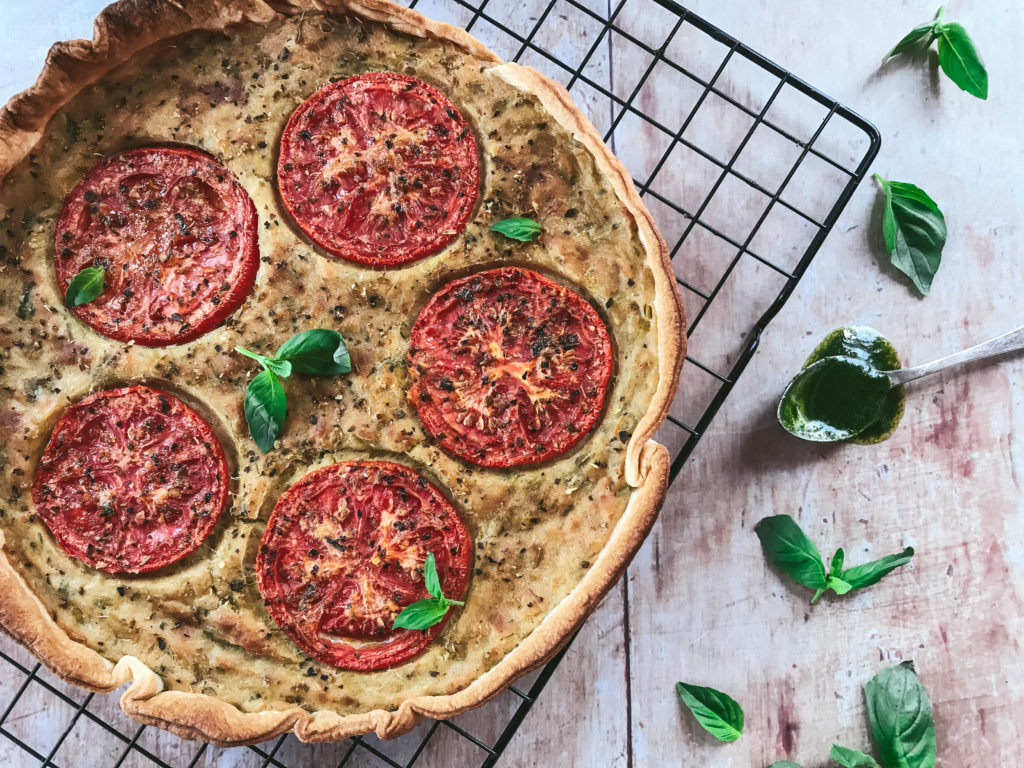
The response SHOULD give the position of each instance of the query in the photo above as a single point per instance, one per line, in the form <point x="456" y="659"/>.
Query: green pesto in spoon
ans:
<point x="867" y="344"/>
<point x="833" y="399"/>
<point x="843" y="396"/>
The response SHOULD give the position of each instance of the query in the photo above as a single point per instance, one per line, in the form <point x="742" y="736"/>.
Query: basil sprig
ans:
<point x="316" y="352"/>
<point x="84" y="287"/>
<point x="717" y="712"/>
<point x="789" y="549"/>
<point x="901" y="722"/>
<point x="427" y="612"/>
<point x="914" y="230"/>
<point x="958" y="57"/>
<point x="518" y="228"/>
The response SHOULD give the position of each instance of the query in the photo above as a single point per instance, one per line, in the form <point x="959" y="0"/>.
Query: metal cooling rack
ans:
<point x="745" y="167"/>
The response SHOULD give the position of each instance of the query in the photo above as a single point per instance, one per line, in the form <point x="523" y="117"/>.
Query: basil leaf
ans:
<point x="851" y="758"/>
<point x="871" y="573"/>
<point x="318" y="352"/>
<point x="422" y="614"/>
<point x="517" y="229"/>
<point x="281" y="368"/>
<point x="901" y="718"/>
<point x="85" y="286"/>
<point x="835" y="568"/>
<point x="911" y="39"/>
<point x="717" y="713"/>
<point x="788" y="549"/>
<point x="914" y="230"/>
<point x="784" y="764"/>
<point x="838" y="585"/>
<point x="265" y="409"/>
<point x="961" y="61"/>
<point x="430" y="577"/>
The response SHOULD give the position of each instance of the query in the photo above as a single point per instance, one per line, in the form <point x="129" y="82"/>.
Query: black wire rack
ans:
<point x="746" y="169"/>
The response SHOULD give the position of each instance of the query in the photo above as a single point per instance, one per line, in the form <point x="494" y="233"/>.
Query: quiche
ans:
<point x="449" y="458"/>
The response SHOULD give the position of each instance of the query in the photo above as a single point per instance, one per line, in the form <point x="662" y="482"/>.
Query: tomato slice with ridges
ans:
<point x="131" y="480"/>
<point x="380" y="169"/>
<point x="176" y="235"/>
<point x="343" y="554"/>
<point x="508" y="367"/>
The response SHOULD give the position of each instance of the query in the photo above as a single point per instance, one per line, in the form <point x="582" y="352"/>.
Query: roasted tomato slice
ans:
<point x="507" y="367"/>
<point x="380" y="169"/>
<point x="176" y="236"/>
<point x="131" y="480"/>
<point x="343" y="554"/>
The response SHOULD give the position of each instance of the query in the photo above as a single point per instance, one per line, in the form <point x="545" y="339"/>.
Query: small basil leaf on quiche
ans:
<point x="433" y="583"/>
<point x="317" y="352"/>
<point x="85" y="286"/>
<point x="787" y="547"/>
<point x="785" y="764"/>
<point x="851" y="758"/>
<point x="870" y="573"/>
<point x="518" y="228"/>
<point x="422" y="614"/>
<point x="427" y="612"/>
<point x="265" y="409"/>
<point x="717" y="713"/>
<point x="901" y="718"/>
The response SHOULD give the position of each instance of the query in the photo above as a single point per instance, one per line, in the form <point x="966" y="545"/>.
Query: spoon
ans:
<point x="838" y="397"/>
<point x="1011" y="341"/>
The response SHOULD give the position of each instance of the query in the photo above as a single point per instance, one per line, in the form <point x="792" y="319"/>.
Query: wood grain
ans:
<point x="699" y="603"/>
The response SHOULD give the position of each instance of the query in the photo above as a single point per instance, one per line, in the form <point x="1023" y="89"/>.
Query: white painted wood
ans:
<point x="703" y="606"/>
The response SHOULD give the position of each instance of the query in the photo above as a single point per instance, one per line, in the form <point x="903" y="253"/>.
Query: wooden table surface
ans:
<point x="698" y="603"/>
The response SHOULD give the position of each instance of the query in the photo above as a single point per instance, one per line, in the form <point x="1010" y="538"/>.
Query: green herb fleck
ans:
<point x="85" y="286"/>
<point x="26" y="309"/>
<point x="517" y="228"/>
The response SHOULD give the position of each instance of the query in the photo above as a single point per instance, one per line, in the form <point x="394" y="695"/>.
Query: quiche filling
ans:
<point x="201" y="623"/>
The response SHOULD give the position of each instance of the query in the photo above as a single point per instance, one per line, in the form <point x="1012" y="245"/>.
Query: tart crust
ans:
<point x="122" y="30"/>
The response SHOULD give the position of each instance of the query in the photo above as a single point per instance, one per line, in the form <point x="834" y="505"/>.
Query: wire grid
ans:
<point x="720" y="155"/>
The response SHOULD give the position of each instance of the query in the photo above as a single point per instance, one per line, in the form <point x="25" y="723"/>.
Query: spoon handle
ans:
<point x="1010" y="341"/>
